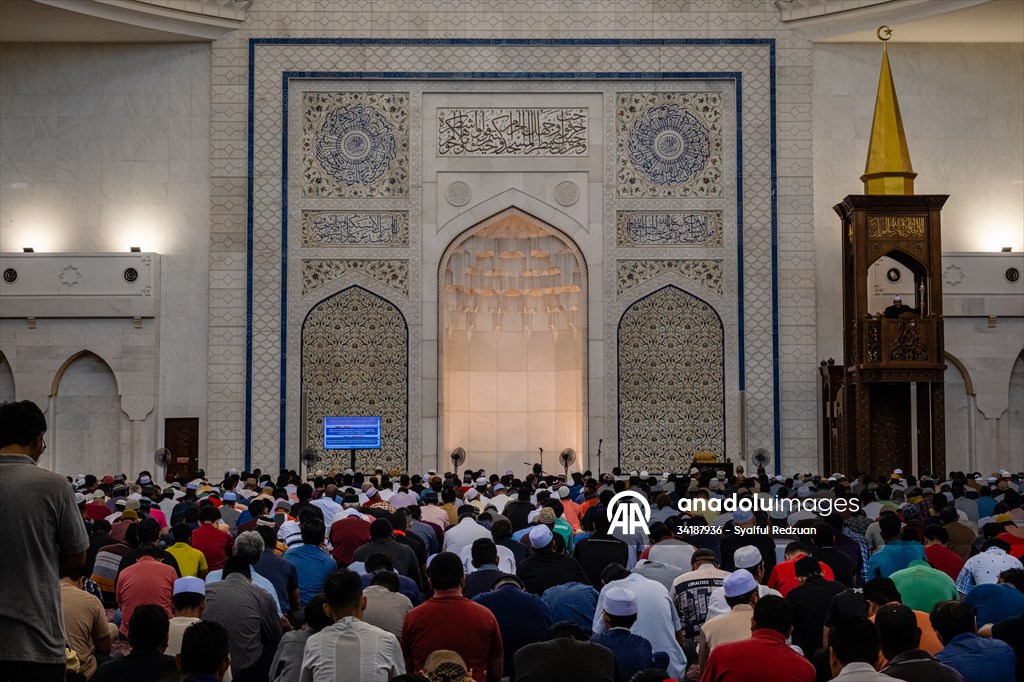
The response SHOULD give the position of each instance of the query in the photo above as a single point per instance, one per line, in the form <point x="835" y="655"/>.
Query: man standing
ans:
<point x="45" y="532"/>
<point x="350" y="648"/>
<point x="450" y="621"/>
<point x="249" y="614"/>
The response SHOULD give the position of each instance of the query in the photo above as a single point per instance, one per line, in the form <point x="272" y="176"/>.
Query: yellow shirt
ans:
<point x="190" y="560"/>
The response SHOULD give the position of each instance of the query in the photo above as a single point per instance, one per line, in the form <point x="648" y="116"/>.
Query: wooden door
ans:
<point x="181" y="437"/>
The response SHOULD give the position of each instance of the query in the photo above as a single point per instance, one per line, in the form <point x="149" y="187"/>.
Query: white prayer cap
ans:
<point x="540" y="537"/>
<point x="898" y="471"/>
<point x="563" y="492"/>
<point x="619" y="601"/>
<point x="498" y="486"/>
<point x="481" y="481"/>
<point x="510" y="473"/>
<point x="471" y="494"/>
<point x="694" y="471"/>
<point x="232" y="472"/>
<point x="739" y="582"/>
<point x="804" y="491"/>
<point x="747" y="556"/>
<point x="720" y="475"/>
<point x="145" y="479"/>
<point x="532" y="516"/>
<point x="189" y="585"/>
<point x="645" y="474"/>
<point x="370" y="492"/>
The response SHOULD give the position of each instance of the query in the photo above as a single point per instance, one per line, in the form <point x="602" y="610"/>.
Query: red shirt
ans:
<point x="1016" y="544"/>
<point x="944" y="559"/>
<point x="214" y="543"/>
<point x="450" y="621"/>
<point x="96" y="511"/>
<point x="783" y="577"/>
<point x="147" y="581"/>
<point x="347" y="535"/>
<point x="764" y="657"/>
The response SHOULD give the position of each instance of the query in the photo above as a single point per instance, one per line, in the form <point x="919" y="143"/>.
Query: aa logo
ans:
<point x="628" y="516"/>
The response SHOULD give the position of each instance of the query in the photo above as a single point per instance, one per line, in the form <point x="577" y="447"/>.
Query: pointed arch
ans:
<point x="355" y="361"/>
<point x="8" y="390"/>
<point x="537" y="409"/>
<point x="671" y="380"/>
<point x="88" y="424"/>
<point x="55" y="385"/>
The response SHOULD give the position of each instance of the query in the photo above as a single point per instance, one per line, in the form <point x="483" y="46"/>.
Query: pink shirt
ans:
<point x="146" y="582"/>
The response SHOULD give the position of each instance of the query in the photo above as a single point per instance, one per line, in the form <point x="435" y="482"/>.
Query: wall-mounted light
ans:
<point x="1007" y="249"/>
<point x="28" y="249"/>
<point x="135" y="249"/>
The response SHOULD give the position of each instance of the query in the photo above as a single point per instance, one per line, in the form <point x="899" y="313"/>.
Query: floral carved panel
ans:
<point x="355" y="361"/>
<point x="318" y="271"/>
<point x="671" y="383"/>
<point x="668" y="144"/>
<point x="707" y="273"/>
<point x="355" y="144"/>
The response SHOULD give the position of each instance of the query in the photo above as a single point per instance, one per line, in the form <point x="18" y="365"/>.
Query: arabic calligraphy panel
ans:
<point x="512" y="132"/>
<point x="672" y="228"/>
<point x="355" y="144"/>
<point x="364" y="228"/>
<point x="669" y="144"/>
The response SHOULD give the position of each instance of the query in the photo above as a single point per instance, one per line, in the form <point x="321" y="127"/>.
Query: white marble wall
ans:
<point x="104" y="147"/>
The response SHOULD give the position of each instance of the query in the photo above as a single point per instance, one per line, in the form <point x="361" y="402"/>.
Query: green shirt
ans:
<point x="922" y="586"/>
<point x="563" y="528"/>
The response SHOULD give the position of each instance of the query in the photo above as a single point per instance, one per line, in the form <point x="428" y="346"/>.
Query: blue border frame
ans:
<point x="618" y="365"/>
<point x="408" y="349"/>
<point x="487" y="75"/>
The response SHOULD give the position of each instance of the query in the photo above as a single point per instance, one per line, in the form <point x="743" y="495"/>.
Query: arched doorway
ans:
<point x="512" y="335"/>
<point x="88" y="435"/>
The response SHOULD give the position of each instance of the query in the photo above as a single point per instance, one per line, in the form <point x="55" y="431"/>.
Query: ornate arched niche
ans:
<point x="512" y="334"/>
<point x="671" y="381"/>
<point x="355" y="362"/>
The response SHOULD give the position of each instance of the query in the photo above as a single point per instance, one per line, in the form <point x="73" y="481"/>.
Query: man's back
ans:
<point x="564" y="659"/>
<point x="248" y="614"/>
<point x="894" y="556"/>
<point x="214" y="543"/>
<point x="456" y="623"/>
<point x="523" y="618"/>
<point x="352" y="649"/>
<point x="138" y="666"/>
<point x="810" y="608"/>
<point x="312" y="566"/>
<point x="764" y="657"/>
<point x="597" y="551"/>
<point x="38" y="529"/>
<point x="632" y="652"/>
<point x="978" y="659"/>
<point x="547" y="569"/>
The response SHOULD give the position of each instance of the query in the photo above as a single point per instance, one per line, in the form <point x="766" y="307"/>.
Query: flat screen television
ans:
<point x="351" y="433"/>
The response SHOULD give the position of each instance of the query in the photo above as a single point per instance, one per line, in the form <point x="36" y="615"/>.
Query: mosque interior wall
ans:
<point x="110" y="146"/>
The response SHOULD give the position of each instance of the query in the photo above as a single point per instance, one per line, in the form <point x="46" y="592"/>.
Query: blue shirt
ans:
<point x="281" y="574"/>
<point x="312" y="565"/>
<point x="978" y="659"/>
<point x="523" y="618"/>
<point x="986" y="505"/>
<point x="574" y="602"/>
<point x="993" y="602"/>
<point x="632" y="652"/>
<point x="894" y="556"/>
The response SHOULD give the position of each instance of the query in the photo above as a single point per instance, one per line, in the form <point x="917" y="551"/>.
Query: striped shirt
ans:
<point x="352" y="650"/>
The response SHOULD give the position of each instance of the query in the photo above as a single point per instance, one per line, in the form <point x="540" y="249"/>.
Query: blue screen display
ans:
<point x="351" y="433"/>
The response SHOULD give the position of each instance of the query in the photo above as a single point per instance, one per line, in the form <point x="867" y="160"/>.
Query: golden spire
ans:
<point x="888" y="169"/>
